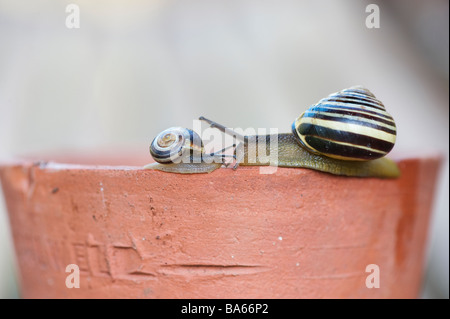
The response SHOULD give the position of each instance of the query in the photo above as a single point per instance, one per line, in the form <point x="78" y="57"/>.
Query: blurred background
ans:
<point x="136" y="67"/>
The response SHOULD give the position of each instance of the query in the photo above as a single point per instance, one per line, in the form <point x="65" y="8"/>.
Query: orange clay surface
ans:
<point x="296" y="233"/>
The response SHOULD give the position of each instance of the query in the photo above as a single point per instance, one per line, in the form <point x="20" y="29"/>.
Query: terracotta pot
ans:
<point x="229" y="234"/>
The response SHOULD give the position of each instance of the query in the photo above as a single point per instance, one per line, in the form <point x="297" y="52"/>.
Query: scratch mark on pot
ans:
<point x="141" y="273"/>
<point x="133" y="241"/>
<point x="137" y="274"/>
<point x="211" y="269"/>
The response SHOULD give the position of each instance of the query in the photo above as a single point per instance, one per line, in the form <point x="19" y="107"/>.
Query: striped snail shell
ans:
<point x="349" y="125"/>
<point x="176" y="144"/>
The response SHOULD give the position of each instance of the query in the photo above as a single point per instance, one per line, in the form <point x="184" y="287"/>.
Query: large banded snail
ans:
<point x="350" y="125"/>
<point x="347" y="133"/>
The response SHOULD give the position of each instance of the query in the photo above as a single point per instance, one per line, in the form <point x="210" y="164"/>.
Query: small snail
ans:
<point x="180" y="150"/>
<point x="347" y="133"/>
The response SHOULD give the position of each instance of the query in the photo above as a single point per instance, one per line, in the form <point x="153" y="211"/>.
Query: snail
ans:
<point x="349" y="125"/>
<point x="180" y="150"/>
<point x="347" y="133"/>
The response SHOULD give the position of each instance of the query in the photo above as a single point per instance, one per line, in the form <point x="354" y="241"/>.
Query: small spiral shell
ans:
<point x="349" y="125"/>
<point x="176" y="144"/>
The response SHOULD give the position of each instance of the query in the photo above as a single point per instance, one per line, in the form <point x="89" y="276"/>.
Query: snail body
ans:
<point x="347" y="133"/>
<point x="290" y="154"/>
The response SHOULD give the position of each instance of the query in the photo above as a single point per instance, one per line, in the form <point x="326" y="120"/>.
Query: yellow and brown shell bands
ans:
<point x="349" y="125"/>
<point x="174" y="144"/>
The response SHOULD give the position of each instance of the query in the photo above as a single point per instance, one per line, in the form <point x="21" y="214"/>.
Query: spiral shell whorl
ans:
<point x="351" y="125"/>
<point x="174" y="144"/>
